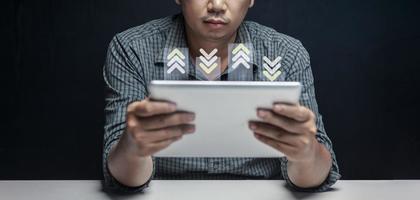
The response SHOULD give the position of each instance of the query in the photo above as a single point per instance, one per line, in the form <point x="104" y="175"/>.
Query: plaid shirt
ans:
<point x="135" y="58"/>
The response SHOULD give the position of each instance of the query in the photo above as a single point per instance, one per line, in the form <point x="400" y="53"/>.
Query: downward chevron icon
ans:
<point x="176" y="61"/>
<point x="271" y="68"/>
<point x="241" y="56"/>
<point x="208" y="62"/>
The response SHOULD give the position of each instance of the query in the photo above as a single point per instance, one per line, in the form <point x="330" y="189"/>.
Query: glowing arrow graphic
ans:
<point x="176" y="61"/>
<point x="241" y="56"/>
<point x="208" y="62"/>
<point x="272" y="68"/>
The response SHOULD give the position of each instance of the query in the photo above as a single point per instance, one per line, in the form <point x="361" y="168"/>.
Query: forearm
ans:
<point x="129" y="169"/>
<point x="312" y="173"/>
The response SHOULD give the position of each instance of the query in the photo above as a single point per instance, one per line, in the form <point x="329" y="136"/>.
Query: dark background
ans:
<point x="365" y="56"/>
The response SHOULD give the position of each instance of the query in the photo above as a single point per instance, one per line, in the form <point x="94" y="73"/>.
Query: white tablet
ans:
<point x="222" y="111"/>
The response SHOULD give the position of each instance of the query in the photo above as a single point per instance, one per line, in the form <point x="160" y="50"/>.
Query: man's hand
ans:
<point x="291" y="129"/>
<point x="151" y="127"/>
<point x="154" y="125"/>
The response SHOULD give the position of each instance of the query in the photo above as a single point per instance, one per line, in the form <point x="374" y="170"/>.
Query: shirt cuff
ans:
<point x="332" y="178"/>
<point x="113" y="185"/>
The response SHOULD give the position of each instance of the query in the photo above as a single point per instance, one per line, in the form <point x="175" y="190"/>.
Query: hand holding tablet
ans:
<point x="223" y="110"/>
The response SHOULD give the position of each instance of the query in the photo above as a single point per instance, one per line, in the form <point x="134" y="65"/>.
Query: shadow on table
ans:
<point x="112" y="195"/>
<point x="118" y="195"/>
<point x="121" y="196"/>
<point x="304" y="195"/>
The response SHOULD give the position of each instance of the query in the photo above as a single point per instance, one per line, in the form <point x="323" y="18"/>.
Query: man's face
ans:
<point x="214" y="19"/>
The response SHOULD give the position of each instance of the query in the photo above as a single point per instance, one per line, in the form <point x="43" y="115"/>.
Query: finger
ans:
<point x="283" y="122"/>
<point x="132" y="122"/>
<point x="296" y="112"/>
<point x="168" y="133"/>
<point x="156" y="147"/>
<point x="166" y="120"/>
<point x="284" y="148"/>
<point x="272" y="132"/>
<point x="148" y="108"/>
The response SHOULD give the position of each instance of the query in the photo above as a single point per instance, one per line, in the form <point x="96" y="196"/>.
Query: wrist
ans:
<point x="310" y="172"/>
<point x="309" y="156"/>
<point x="125" y="149"/>
<point x="127" y="168"/>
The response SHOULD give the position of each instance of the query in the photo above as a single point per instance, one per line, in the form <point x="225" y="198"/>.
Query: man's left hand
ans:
<point x="291" y="129"/>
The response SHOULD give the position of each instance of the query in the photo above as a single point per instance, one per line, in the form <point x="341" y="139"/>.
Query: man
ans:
<point x="136" y="127"/>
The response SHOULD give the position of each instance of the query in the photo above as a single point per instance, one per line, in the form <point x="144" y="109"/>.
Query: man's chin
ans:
<point x="216" y="36"/>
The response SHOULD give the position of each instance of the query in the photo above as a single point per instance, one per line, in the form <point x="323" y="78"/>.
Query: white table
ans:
<point x="210" y="189"/>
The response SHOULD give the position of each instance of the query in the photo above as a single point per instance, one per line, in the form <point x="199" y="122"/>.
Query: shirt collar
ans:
<point x="175" y="37"/>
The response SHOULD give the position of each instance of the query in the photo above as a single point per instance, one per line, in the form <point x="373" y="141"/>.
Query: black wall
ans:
<point x="365" y="57"/>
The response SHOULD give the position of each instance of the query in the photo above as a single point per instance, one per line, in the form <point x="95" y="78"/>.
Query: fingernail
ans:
<point x="262" y="113"/>
<point x="258" y="136"/>
<point x="252" y="126"/>
<point x="190" y="129"/>
<point x="191" y="117"/>
<point x="172" y="107"/>
<point x="279" y="107"/>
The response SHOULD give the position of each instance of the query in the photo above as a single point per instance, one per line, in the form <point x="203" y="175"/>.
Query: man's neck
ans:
<point x="195" y="43"/>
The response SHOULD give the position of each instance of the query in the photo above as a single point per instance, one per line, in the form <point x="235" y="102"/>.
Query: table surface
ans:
<point x="210" y="189"/>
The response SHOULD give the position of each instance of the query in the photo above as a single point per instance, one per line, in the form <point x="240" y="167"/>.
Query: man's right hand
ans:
<point x="151" y="127"/>
<point x="154" y="125"/>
